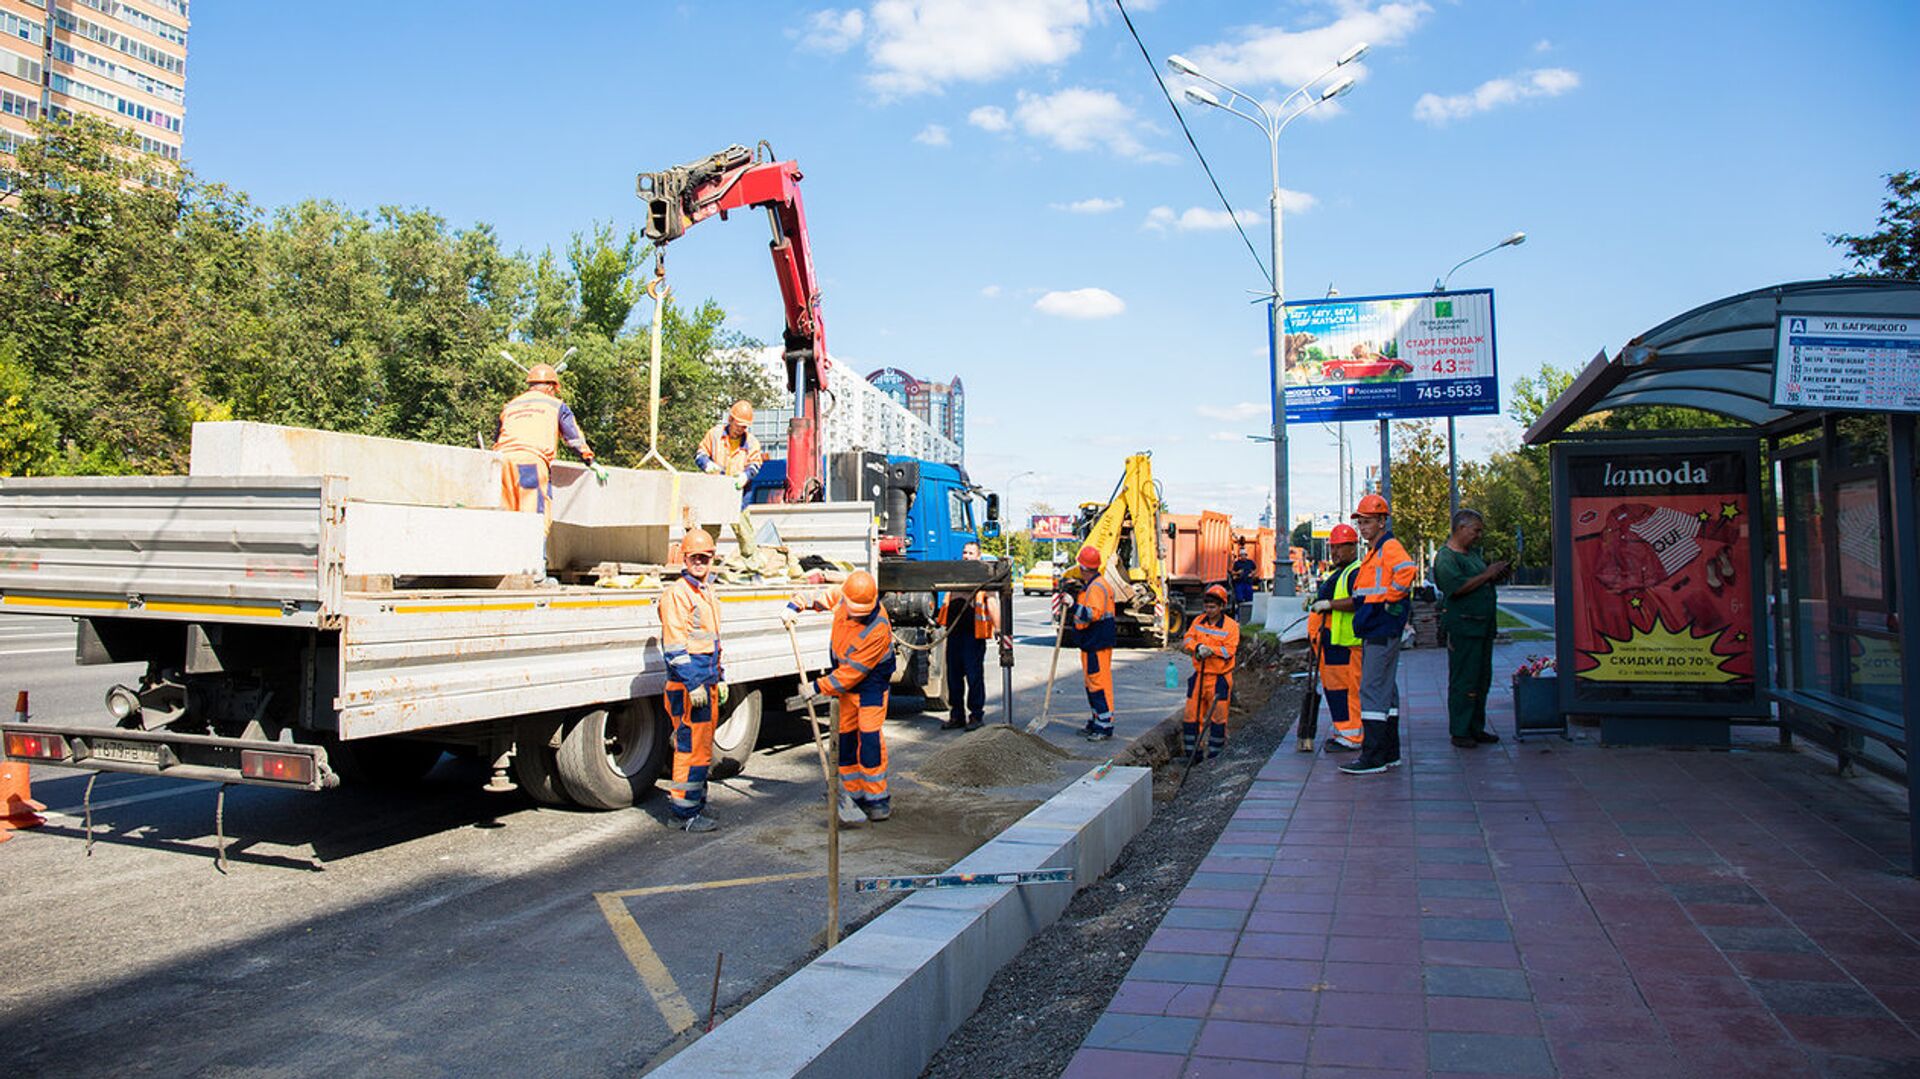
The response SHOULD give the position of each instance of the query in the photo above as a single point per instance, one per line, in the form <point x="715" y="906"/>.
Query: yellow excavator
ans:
<point x="1126" y="531"/>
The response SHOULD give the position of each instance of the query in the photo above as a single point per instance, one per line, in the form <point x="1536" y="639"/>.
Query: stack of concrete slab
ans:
<point x="440" y="510"/>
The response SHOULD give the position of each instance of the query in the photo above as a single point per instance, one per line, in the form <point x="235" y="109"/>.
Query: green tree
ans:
<point x="606" y="267"/>
<point x="1420" y="493"/>
<point x="1893" y="248"/>
<point x="26" y="432"/>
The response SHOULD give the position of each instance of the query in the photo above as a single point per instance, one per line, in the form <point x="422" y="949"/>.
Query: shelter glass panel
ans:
<point x="1803" y="577"/>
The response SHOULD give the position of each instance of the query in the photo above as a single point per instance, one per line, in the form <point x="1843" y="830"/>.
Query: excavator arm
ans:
<point x="1133" y="512"/>
<point x="738" y="178"/>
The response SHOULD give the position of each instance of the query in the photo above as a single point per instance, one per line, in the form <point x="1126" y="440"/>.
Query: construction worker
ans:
<point x="1331" y="628"/>
<point x="729" y="449"/>
<point x="1245" y="573"/>
<point x="1381" y="586"/>
<point x="861" y="677"/>
<point x="971" y="622"/>
<point x="1466" y="584"/>
<point x="690" y="637"/>
<point x="531" y="427"/>
<point x="1214" y="642"/>
<point x="1094" y="633"/>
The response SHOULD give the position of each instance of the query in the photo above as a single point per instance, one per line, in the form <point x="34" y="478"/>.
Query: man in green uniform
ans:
<point x="1469" y="601"/>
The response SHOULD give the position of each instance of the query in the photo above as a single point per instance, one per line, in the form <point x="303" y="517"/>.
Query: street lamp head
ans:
<point x="1353" y="54"/>
<point x="1202" y="97"/>
<point x="1514" y="240"/>
<point x="1182" y="65"/>
<point x="1337" y="89"/>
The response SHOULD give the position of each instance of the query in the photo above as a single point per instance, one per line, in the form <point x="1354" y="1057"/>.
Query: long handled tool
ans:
<point x="1039" y="722"/>
<point x="836" y="801"/>
<point x="1307" y="728"/>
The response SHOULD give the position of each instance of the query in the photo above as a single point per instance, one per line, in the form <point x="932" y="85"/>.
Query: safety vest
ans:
<point x="530" y="423"/>
<point x="734" y="456"/>
<point x="862" y="647"/>
<point x="690" y="632"/>
<point x="1093" y="616"/>
<point x="1224" y="639"/>
<point x="1339" y="622"/>
<point x="980" y="611"/>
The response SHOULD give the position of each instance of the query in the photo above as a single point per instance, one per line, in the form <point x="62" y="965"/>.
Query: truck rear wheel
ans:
<point x="737" y="734"/>
<point x="610" y="757"/>
<point x="534" y="767"/>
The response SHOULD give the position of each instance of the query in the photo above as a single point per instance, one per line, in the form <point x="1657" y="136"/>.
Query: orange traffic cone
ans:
<point x="16" y="786"/>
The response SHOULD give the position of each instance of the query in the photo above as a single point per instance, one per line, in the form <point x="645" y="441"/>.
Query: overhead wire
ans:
<point x="1204" y="167"/>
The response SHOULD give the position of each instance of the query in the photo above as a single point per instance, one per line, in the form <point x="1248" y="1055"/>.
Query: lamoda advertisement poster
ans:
<point x="1663" y="604"/>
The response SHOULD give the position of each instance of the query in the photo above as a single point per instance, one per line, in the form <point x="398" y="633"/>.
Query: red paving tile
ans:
<point x="1661" y="914"/>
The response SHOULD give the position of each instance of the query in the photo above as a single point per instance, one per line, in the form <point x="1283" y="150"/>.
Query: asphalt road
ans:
<point x="1531" y="602"/>
<point x="444" y="930"/>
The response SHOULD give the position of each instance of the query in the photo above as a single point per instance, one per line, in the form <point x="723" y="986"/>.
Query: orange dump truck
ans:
<point x="1199" y="554"/>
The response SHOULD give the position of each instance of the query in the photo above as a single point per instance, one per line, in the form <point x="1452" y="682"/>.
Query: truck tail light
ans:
<point x="278" y="767"/>
<point x="37" y="747"/>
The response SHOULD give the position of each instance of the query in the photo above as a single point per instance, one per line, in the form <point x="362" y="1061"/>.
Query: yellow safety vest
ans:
<point x="1340" y="623"/>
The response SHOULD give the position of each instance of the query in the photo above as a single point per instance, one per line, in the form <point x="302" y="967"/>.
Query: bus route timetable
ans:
<point x="1847" y="362"/>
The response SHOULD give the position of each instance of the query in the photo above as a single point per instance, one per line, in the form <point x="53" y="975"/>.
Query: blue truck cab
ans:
<point x="930" y="509"/>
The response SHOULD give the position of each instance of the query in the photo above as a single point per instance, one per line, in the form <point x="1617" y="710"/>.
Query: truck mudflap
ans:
<point x="212" y="759"/>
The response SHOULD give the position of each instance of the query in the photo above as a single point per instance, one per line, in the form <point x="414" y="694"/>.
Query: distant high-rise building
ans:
<point x="941" y="405"/>
<point x="123" y="62"/>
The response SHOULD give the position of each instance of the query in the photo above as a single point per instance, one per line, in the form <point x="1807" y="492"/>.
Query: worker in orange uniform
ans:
<point x="690" y="637"/>
<point x="1331" y="627"/>
<point x="1094" y="634"/>
<point x="861" y="677"/>
<point x="1214" y="642"/>
<point x="970" y="623"/>
<point x="531" y="428"/>
<point x="1381" y="587"/>
<point x="729" y="449"/>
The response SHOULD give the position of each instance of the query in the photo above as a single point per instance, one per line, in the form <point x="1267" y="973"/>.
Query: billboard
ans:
<point x="1051" y="526"/>
<point x="1391" y="357"/>
<point x="1847" y="362"/>
<point x="1663" y="609"/>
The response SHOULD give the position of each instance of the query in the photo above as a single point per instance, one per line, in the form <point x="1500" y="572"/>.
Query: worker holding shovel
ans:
<point x="1214" y="642"/>
<point x="690" y="637"/>
<point x="862" y="674"/>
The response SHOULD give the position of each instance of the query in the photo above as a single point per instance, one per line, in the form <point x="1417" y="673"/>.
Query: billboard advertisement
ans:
<point x="1051" y="526"/>
<point x="1391" y="357"/>
<point x="1664" y="605"/>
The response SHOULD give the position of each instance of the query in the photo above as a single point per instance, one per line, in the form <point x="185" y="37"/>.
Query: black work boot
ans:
<point x="1392" y="753"/>
<point x="1373" y="757"/>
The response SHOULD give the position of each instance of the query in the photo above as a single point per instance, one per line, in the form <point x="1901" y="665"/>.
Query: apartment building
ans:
<point x="125" y="62"/>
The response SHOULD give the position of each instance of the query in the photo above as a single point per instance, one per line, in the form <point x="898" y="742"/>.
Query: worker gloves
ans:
<point x="697" y="697"/>
<point x="1321" y="606"/>
<point x="790" y="617"/>
<point x="713" y="468"/>
<point x="809" y="692"/>
<point x="1204" y="651"/>
<point x="739" y="483"/>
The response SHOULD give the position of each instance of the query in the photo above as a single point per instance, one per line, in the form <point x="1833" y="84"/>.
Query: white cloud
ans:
<point x="989" y="118"/>
<point x="1234" y="413"/>
<point x="1080" y="303"/>
<point x="1202" y="219"/>
<point x="832" y="31"/>
<point x="1543" y="45"/>
<point x="933" y="135"/>
<point x="1494" y="93"/>
<point x="990" y="291"/>
<point x="1081" y="119"/>
<point x="919" y="46"/>
<point x="1266" y="55"/>
<point x="1090" y="206"/>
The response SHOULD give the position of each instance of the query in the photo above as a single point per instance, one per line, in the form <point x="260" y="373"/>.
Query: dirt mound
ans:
<point x="994" y="756"/>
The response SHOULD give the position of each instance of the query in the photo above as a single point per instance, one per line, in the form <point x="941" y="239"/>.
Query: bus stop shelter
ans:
<point x="1836" y="534"/>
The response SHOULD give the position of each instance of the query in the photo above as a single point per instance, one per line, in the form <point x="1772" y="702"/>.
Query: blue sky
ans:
<point x="1658" y="155"/>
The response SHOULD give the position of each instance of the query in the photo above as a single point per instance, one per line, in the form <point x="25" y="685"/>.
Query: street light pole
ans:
<point x="1453" y="454"/>
<point x="1271" y="122"/>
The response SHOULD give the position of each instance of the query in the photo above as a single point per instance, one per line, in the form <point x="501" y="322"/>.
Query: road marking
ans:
<point x="646" y="962"/>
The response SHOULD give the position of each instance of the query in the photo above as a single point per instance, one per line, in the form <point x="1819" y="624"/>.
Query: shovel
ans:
<point x="845" y="810"/>
<point x="1039" y="722"/>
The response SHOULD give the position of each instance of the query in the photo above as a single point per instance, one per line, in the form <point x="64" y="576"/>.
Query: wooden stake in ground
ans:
<point x="833" y="801"/>
<point x="1046" y="703"/>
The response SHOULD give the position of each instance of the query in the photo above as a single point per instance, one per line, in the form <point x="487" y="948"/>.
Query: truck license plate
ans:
<point x="128" y="752"/>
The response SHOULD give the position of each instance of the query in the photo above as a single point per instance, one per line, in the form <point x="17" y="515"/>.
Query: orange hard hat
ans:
<point x="1372" y="506"/>
<point x="860" y="592"/>
<point x="1219" y="592"/>
<point x="741" y="413"/>
<point x="697" y="541"/>
<point x="542" y="372"/>
<point x="1090" y="556"/>
<point x="1344" y="533"/>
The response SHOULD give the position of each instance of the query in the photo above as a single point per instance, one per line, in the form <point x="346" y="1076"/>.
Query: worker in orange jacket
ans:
<point x="729" y="449"/>
<point x="1330" y="626"/>
<point x="530" y="430"/>
<point x="861" y="677"/>
<point x="1381" y="593"/>
<point x="1214" y="642"/>
<point x="690" y="638"/>
<point x="1094" y="634"/>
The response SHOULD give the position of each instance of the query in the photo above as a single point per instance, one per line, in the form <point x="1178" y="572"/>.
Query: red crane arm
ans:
<point x="735" y="179"/>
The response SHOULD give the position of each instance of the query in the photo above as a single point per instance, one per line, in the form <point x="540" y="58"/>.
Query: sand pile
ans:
<point x="993" y="756"/>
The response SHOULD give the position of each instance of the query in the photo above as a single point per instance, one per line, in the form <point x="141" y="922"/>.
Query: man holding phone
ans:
<point x="1469" y="614"/>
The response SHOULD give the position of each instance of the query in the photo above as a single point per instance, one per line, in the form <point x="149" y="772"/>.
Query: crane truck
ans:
<point x="311" y="609"/>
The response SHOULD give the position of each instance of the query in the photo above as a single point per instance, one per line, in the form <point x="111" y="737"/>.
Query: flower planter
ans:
<point x="1536" y="707"/>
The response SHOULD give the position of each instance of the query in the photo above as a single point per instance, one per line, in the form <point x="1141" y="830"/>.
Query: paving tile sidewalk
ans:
<point x="1552" y="910"/>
